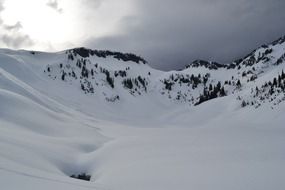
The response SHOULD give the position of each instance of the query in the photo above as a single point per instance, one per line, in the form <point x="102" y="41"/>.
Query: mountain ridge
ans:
<point x="114" y="75"/>
<point x="110" y="73"/>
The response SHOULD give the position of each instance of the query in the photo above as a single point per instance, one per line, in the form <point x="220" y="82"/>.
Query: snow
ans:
<point x="50" y="129"/>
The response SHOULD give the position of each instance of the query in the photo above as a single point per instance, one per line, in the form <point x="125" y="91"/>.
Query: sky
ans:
<point x="169" y="34"/>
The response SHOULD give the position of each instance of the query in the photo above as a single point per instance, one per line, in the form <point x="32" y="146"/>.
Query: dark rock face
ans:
<point x="206" y="64"/>
<point x="83" y="52"/>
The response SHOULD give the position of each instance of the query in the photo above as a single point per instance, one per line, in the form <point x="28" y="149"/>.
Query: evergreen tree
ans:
<point x="109" y="79"/>
<point x="82" y="87"/>
<point x="238" y="83"/>
<point x="275" y="82"/>
<point x="223" y="92"/>
<point x="210" y="87"/>
<point x="63" y="76"/>
<point x="283" y="75"/>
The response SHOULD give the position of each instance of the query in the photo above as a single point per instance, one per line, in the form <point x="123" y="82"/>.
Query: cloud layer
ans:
<point x="168" y="33"/>
<point x="173" y="33"/>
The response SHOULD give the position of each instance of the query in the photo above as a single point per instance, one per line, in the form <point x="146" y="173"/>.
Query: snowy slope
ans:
<point x="129" y="126"/>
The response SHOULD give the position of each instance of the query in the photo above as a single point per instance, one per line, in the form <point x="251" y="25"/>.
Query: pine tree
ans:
<point x="82" y="87"/>
<point x="275" y="82"/>
<point x="243" y="103"/>
<point x="219" y="86"/>
<point x="283" y="75"/>
<point x="223" y="92"/>
<point x="109" y="79"/>
<point x="63" y="76"/>
<point x="210" y="87"/>
<point x="128" y="83"/>
<point x="238" y="83"/>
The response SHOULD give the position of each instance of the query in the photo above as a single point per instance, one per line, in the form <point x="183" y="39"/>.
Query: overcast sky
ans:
<point x="168" y="33"/>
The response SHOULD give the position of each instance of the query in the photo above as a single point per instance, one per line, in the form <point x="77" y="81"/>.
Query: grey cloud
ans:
<point x="15" y="27"/>
<point x="16" y="41"/>
<point x="54" y="5"/>
<point x="13" y="37"/>
<point x="170" y="33"/>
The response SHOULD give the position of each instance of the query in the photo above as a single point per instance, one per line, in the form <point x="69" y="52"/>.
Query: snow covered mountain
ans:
<point x="111" y="117"/>
<point x="112" y="76"/>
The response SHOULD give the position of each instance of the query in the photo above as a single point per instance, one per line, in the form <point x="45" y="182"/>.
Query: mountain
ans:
<point x="113" y="75"/>
<point x="110" y="118"/>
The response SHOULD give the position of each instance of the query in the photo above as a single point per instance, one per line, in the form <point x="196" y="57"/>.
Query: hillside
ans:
<point x="110" y="116"/>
